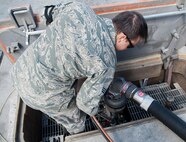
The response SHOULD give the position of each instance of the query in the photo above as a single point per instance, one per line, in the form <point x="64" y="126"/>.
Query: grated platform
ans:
<point x="53" y="132"/>
<point x="159" y="92"/>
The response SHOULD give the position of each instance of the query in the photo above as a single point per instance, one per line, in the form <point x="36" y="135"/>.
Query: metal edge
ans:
<point x="121" y="126"/>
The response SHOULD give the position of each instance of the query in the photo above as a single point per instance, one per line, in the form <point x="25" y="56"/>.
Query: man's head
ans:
<point x="131" y="28"/>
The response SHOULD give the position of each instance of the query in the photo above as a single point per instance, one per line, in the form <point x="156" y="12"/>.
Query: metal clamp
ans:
<point x="24" y="20"/>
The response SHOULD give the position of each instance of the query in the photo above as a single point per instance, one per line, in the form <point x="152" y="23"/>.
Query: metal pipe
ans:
<point x="100" y="128"/>
<point x="165" y="14"/>
<point x="35" y="32"/>
<point x="32" y="33"/>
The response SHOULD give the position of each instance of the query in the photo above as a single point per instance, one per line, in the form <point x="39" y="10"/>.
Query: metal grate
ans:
<point x="159" y="92"/>
<point x="53" y="132"/>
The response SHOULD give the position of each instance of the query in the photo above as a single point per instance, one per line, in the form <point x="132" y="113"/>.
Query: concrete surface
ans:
<point x="8" y="103"/>
<point x="143" y="131"/>
<point x="37" y="5"/>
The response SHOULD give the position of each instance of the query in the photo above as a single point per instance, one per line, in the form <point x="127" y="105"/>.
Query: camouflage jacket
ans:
<point x="77" y="44"/>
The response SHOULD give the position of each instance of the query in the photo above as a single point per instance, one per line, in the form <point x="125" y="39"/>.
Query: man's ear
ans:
<point x="121" y="37"/>
<point x="121" y="42"/>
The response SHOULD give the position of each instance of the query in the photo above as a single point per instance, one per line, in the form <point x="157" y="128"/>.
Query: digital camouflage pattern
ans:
<point x="77" y="44"/>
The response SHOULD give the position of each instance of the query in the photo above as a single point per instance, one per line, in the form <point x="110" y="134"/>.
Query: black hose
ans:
<point x="172" y="121"/>
<point x="168" y="118"/>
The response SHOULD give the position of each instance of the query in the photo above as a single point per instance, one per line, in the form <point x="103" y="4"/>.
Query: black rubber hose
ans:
<point x="168" y="118"/>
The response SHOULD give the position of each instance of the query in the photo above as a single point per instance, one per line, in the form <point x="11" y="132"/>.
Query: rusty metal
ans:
<point x="4" y="48"/>
<point x="139" y="4"/>
<point x="106" y="8"/>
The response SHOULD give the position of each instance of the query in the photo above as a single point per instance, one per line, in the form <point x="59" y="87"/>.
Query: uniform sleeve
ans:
<point x="65" y="6"/>
<point x="93" y="89"/>
<point x="59" y="8"/>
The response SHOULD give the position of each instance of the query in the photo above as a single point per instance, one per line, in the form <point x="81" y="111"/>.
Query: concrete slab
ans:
<point x="143" y="131"/>
<point x="37" y="5"/>
<point x="5" y="81"/>
<point x="8" y="103"/>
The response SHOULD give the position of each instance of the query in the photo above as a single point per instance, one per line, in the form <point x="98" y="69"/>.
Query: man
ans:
<point x="77" y="44"/>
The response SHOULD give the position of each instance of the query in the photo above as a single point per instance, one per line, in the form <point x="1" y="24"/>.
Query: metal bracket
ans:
<point x="23" y="17"/>
<point x="170" y="52"/>
<point x="143" y="83"/>
<point x="24" y="20"/>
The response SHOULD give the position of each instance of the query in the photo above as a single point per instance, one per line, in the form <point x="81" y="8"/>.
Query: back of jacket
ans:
<point x="77" y="44"/>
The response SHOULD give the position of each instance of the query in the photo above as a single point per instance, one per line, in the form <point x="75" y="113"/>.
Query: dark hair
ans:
<point x="132" y="24"/>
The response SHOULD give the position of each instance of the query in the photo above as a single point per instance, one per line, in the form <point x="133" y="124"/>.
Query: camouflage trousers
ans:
<point x="69" y="115"/>
<point x="72" y="118"/>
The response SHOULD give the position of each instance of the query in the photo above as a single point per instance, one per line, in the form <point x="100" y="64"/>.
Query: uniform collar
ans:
<point x="111" y="29"/>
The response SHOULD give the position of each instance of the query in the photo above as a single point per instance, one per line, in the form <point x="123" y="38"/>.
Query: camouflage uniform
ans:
<point x="77" y="44"/>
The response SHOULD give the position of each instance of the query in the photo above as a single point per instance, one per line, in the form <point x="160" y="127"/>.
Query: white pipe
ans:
<point x="35" y="32"/>
<point x="165" y="14"/>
